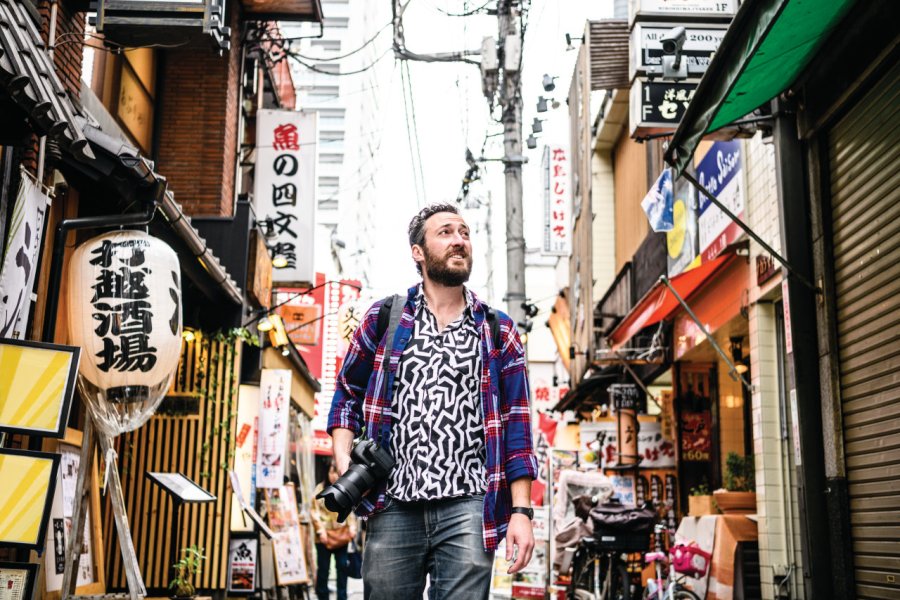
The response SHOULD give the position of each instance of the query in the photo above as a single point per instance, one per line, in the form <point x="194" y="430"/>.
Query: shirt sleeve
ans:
<point x="515" y="411"/>
<point x="350" y="386"/>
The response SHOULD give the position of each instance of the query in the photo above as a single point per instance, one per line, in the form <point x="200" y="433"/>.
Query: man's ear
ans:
<point x="417" y="253"/>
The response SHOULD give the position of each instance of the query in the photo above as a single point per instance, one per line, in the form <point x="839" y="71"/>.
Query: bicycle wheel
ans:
<point x="683" y="594"/>
<point x="581" y="586"/>
<point x="616" y="582"/>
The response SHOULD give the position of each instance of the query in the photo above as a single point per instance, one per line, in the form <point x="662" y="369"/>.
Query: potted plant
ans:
<point x="701" y="501"/>
<point x="182" y="584"/>
<point x="739" y="493"/>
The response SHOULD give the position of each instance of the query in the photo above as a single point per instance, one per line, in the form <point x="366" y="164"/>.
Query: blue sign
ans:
<point x="719" y="171"/>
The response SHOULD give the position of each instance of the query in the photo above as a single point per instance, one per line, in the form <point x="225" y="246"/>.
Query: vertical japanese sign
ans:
<point x="274" y="409"/>
<point x="285" y="186"/>
<point x="557" y="201"/>
<point x="719" y="171"/>
<point x="20" y="257"/>
<point x="337" y="293"/>
<point x="245" y="450"/>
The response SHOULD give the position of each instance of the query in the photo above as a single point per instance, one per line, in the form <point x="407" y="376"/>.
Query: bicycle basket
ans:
<point x="615" y="517"/>
<point x="690" y="560"/>
<point x="621" y="541"/>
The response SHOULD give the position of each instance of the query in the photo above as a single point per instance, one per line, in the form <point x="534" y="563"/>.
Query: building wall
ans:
<point x="604" y="228"/>
<point x="630" y="163"/>
<point x="777" y="507"/>
<point x="197" y="131"/>
<point x="67" y="54"/>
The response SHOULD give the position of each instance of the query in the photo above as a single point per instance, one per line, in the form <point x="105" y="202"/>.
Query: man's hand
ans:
<point x="519" y="537"/>
<point x="323" y="537"/>
<point x="342" y="444"/>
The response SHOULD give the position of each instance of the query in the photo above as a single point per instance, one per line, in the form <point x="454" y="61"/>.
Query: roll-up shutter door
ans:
<point x="864" y="157"/>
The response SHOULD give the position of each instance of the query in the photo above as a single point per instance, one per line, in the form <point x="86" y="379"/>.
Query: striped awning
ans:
<point x="28" y="77"/>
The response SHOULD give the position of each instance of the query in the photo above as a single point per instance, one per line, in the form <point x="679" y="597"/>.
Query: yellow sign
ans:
<point x="36" y="386"/>
<point x="29" y="479"/>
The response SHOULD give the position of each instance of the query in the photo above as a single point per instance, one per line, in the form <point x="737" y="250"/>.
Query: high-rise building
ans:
<point x="341" y="77"/>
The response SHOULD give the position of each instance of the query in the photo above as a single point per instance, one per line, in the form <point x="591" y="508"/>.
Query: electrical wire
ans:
<point x="462" y="14"/>
<point x="409" y="134"/>
<point x="292" y="55"/>
<point x="412" y="105"/>
<point x="342" y="56"/>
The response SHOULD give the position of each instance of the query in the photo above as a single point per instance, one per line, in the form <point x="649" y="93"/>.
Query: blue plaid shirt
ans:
<point x="361" y="398"/>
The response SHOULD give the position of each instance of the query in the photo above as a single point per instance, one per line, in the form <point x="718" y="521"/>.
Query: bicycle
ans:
<point x="598" y="569"/>
<point x="681" y="560"/>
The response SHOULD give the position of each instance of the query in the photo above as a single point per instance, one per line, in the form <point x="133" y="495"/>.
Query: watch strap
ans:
<point x="528" y="512"/>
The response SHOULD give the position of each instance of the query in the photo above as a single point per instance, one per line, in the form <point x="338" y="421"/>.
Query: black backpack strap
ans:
<point x="494" y="324"/>
<point x="384" y="316"/>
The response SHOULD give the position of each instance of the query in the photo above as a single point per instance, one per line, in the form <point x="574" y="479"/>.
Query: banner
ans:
<point x="274" y="409"/>
<point x="284" y="189"/>
<point x="557" y="201"/>
<point x="658" y="203"/>
<point x="719" y="171"/>
<point x="20" y="257"/>
<point x="245" y="450"/>
<point x="681" y="241"/>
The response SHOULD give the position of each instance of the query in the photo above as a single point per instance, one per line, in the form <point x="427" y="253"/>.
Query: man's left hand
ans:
<point x="520" y="537"/>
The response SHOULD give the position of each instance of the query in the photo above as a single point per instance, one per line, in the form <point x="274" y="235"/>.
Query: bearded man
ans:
<point x="448" y="397"/>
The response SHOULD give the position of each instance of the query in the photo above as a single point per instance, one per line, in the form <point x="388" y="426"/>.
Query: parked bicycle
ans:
<point x="682" y="560"/>
<point x="599" y="566"/>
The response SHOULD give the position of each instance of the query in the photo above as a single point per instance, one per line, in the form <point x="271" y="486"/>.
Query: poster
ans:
<point x="281" y="508"/>
<point x="59" y="531"/>
<point x="696" y="436"/>
<point x="242" y="553"/>
<point x="599" y="443"/>
<point x="26" y="496"/>
<point x="245" y="449"/>
<point x="290" y="562"/>
<point x="274" y="409"/>
<point x="682" y="241"/>
<point x="22" y="251"/>
<point x="17" y="580"/>
<point x="719" y="171"/>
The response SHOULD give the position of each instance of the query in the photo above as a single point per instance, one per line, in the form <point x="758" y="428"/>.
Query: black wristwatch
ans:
<point x="528" y="512"/>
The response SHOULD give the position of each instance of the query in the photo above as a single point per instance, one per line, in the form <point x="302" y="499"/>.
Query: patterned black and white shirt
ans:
<point x="438" y="430"/>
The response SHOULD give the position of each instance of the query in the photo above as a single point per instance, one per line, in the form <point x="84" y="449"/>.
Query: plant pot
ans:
<point x="700" y="506"/>
<point x="736" y="503"/>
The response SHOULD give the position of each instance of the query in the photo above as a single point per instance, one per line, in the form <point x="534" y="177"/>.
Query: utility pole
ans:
<point x="510" y="45"/>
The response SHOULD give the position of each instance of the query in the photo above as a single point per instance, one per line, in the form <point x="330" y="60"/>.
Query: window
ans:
<point x="326" y="45"/>
<point x="331" y="158"/>
<point x="337" y="22"/>
<point x="331" y="136"/>
<point x="328" y="181"/>
<point x="327" y="67"/>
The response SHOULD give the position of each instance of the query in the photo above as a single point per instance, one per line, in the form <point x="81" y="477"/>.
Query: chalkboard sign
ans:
<point x="625" y="396"/>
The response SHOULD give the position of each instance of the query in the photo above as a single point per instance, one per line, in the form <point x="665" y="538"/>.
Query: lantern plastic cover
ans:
<point x="124" y="311"/>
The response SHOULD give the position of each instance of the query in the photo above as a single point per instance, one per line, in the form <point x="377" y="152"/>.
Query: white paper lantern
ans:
<point x="124" y="307"/>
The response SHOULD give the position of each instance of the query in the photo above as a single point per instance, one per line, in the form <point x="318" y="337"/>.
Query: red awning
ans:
<point x="659" y="302"/>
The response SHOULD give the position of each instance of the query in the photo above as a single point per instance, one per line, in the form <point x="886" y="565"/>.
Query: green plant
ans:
<point x="700" y="490"/>
<point x="739" y="473"/>
<point x="191" y="560"/>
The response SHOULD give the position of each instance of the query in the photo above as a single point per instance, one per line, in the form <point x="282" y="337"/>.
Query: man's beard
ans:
<point x="440" y="272"/>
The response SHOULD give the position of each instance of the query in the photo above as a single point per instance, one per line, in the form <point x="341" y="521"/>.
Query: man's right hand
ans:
<point x="342" y="444"/>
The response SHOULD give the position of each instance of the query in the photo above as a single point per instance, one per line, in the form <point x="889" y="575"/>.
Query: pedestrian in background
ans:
<point x="332" y="539"/>
<point x="448" y="397"/>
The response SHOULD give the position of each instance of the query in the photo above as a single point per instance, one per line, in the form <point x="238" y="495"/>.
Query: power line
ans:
<point x="409" y="134"/>
<point x="412" y="105"/>
<point x="294" y="56"/>
<point x="342" y="56"/>
<point x="462" y="14"/>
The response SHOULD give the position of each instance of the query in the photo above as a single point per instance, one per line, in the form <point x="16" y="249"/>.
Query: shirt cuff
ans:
<point x="524" y="465"/>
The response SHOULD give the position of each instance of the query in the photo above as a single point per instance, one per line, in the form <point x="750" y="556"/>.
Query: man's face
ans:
<point x="447" y="252"/>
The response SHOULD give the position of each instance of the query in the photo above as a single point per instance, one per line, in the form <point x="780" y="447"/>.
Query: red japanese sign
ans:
<point x="557" y="170"/>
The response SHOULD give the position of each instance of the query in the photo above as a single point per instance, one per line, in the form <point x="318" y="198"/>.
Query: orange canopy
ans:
<point x="659" y="302"/>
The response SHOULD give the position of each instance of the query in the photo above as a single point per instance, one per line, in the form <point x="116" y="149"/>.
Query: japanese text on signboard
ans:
<point x="557" y="201"/>
<point x="284" y="188"/>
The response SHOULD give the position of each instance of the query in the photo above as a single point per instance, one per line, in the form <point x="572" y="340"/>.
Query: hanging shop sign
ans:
<point x="26" y="496"/>
<point x="336" y="294"/>
<point x="350" y="315"/>
<point x="245" y="450"/>
<point x="38" y="386"/>
<point x="284" y="189"/>
<point x="242" y="553"/>
<point x="124" y="311"/>
<point x="557" y="201"/>
<point x="599" y="444"/>
<point x="274" y="412"/>
<point x="20" y="257"/>
<point x="721" y="9"/>
<point x="682" y="241"/>
<point x="701" y="41"/>
<point x="657" y="106"/>
<point x="720" y="171"/>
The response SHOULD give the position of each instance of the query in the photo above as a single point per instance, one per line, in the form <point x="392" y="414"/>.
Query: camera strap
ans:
<point x="388" y="320"/>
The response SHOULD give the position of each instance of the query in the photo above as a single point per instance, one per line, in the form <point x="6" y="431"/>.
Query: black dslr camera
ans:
<point x="369" y="464"/>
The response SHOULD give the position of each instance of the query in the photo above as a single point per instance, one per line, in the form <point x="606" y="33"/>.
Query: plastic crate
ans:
<point x="624" y="541"/>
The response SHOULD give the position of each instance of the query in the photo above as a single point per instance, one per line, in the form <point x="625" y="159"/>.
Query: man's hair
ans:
<point x="417" y="225"/>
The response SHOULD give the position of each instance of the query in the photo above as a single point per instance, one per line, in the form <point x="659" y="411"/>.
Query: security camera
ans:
<point x="531" y="142"/>
<point x="673" y="64"/>
<point x="673" y="42"/>
<point x="549" y="83"/>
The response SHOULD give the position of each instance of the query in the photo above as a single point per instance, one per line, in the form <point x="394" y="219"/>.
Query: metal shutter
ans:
<point x="864" y="154"/>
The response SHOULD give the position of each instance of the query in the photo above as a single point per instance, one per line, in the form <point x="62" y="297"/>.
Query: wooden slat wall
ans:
<point x="201" y="448"/>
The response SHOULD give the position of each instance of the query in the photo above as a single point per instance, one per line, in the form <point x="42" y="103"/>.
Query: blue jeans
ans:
<point x="323" y="556"/>
<point x="443" y="539"/>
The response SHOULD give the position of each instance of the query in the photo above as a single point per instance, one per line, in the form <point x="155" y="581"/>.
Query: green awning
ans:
<point x="766" y="48"/>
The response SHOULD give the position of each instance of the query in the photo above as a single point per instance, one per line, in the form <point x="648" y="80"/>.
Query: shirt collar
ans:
<point x="471" y="299"/>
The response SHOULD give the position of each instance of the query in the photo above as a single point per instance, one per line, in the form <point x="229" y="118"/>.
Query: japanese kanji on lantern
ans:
<point x="124" y="311"/>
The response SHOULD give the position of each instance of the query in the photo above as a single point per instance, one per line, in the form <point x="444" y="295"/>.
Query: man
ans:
<point x="453" y="410"/>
